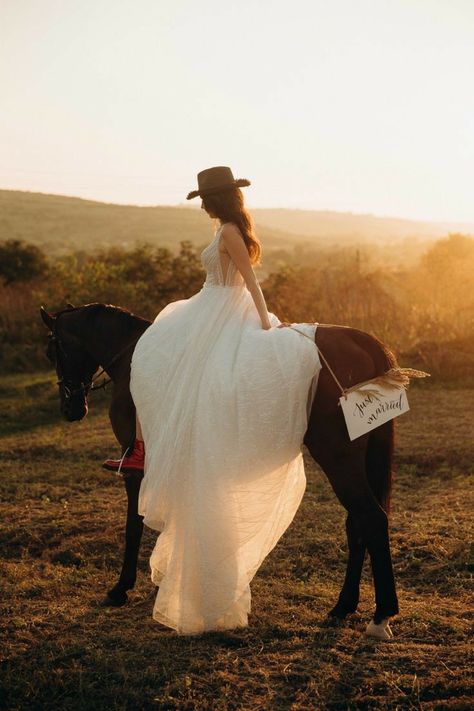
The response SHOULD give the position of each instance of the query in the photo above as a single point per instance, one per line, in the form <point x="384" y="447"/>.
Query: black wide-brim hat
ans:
<point x="215" y="180"/>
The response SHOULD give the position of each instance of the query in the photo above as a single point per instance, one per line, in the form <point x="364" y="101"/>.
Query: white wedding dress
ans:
<point x="223" y="406"/>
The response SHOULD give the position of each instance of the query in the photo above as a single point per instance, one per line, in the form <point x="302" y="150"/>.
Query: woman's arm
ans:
<point x="237" y="251"/>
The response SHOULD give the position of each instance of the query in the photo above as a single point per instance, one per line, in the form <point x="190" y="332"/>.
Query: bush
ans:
<point x="424" y="313"/>
<point x="21" y="262"/>
<point x="142" y="280"/>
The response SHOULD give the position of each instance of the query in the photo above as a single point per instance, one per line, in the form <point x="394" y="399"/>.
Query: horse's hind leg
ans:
<point x="378" y="467"/>
<point x="349" y="595"/>
<point x="346" y="472"/>
<point x="371" y="520"/>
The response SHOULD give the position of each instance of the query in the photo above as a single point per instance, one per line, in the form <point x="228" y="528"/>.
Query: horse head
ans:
<point x="74" y="366"/>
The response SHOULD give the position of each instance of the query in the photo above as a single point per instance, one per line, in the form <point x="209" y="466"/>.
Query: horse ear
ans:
<point x="69" y="305"/>
<point x="48" y="320"/>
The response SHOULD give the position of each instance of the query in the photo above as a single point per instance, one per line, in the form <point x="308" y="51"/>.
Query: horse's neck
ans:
<point x="110" y="338"/>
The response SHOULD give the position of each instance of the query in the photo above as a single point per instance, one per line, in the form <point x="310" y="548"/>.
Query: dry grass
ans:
<point x="61" y="540"/>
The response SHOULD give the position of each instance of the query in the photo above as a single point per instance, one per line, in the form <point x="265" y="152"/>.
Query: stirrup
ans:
<point x="118" y="472"/>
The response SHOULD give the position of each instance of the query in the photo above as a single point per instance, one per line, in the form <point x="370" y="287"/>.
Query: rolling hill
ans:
<point x="60" y="224"/>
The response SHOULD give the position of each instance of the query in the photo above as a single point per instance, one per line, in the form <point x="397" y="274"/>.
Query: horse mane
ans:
<point x="95" y="308"/>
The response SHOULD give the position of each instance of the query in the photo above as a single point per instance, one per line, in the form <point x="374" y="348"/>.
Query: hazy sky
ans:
<point x="351" y="105"/>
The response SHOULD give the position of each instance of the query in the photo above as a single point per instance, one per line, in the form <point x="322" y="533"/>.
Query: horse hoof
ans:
<point x="116" y="601"/>
<point x="380" y="631"/>
<point x="340" y="611"/>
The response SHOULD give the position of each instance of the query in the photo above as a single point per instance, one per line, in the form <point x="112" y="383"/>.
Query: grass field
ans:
<point x="61" y="540"/>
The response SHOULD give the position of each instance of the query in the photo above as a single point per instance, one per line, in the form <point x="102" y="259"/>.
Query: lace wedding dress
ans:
<point x="223" y="406"/>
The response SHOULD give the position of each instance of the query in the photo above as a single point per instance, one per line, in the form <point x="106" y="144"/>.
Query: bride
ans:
<point x="222" y="393"/>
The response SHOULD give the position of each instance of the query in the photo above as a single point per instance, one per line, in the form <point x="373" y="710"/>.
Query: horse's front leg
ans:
<point x="122" y="419"/>
<point x="122" y="415"/>
<point x="117" y="596"/>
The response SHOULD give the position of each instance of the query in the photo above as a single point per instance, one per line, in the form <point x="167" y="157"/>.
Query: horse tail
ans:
<point x="379" y="462"/>
<point x="381" y="443"/>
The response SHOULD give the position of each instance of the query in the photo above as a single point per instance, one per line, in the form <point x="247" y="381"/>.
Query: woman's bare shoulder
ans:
<point x="230" y="234"/>
<point x="230" y="227"/>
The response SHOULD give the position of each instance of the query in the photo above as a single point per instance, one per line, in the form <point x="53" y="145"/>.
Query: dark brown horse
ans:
<point x="360" y="471"/>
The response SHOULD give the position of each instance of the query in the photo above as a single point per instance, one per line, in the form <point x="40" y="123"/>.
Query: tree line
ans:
<point x="425" y="313"/>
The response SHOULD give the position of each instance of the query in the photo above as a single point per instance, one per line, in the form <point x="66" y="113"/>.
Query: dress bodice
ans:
<point x="220" y="269"/>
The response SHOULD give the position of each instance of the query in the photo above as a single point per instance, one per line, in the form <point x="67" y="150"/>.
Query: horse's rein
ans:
<point x="103" y="370"/>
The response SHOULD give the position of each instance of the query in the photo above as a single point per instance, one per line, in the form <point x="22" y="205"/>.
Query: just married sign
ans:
<point x="375" y="401"/>
<point x="371" y="405"/>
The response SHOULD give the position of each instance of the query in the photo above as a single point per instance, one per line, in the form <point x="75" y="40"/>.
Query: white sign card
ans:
<point x="364" y="411"/>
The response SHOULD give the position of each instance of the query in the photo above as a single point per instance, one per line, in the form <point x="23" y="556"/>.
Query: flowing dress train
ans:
<point x="223" y="405"/>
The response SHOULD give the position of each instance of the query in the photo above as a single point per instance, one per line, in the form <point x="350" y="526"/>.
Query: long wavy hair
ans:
<point x="228" y="206"/>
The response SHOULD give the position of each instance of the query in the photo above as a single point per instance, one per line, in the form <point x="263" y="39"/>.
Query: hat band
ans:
<point x="203" y="191"/>
<point x="217" y="188"/>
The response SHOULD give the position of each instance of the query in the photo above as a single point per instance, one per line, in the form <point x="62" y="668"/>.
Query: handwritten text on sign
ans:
<point x="364" y="411"/>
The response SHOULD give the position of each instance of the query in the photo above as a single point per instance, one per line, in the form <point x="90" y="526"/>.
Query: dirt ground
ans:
<point x="61" y="540"/>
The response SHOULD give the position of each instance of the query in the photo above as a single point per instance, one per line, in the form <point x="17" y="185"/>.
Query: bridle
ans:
<point x="66" y="385"/>
<point x="65" y="382"/>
